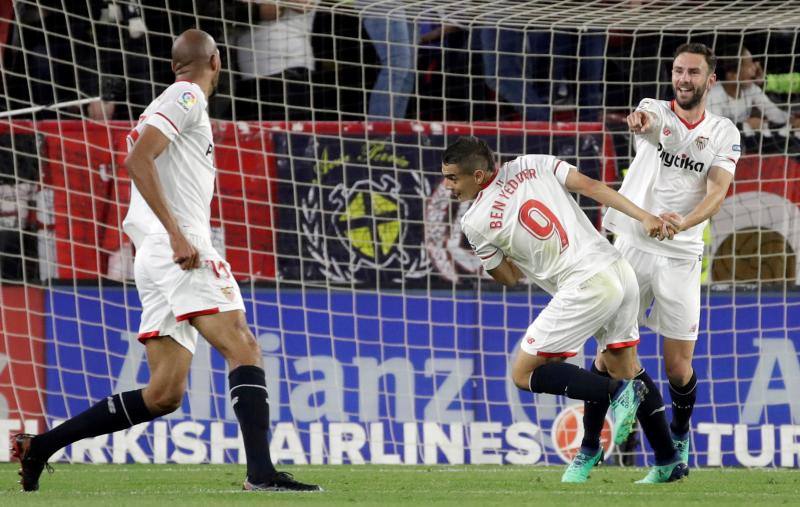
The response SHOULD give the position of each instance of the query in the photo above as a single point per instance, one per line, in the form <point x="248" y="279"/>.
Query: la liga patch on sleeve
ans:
<point x="187" y="100"/>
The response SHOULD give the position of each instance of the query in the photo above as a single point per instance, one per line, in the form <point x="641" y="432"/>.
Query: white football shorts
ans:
<point x="671" y="286"/>
<point x="604" y="306"/>
<point x="171" y="296"/>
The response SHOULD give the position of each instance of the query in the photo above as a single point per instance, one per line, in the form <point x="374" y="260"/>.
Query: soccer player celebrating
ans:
<point x="185" y="286"/>
<point x="685" y="160"/>
<point x="524" y="223"/>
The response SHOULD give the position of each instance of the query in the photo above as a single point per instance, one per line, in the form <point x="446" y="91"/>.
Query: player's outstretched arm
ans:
<point x="719" y="180"/>
<point x="584" y="185"/>
<point x="141" y="166"/>
<point x="506" y="273"/>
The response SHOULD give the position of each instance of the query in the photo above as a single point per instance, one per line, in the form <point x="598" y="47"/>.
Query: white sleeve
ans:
<point x="561" y="170"/>
<point x="180" y="108"/>
<point x="652" y="106"/>
<point x="729" y="148"/>
<point x="490" y="255"/>
<point x="773" y="113"/>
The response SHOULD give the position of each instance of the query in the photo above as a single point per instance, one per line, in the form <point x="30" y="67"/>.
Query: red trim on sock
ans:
<point x="187" y="316"/>
<point x="622" y="345"/>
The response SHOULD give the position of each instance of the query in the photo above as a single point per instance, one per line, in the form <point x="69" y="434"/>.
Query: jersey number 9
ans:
<point x="540" y="221"/>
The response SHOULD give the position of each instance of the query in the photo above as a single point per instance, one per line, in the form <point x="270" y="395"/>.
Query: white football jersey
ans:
<point x="669" y="173"/>
<point x="526" y="214"/>
<point x="185" y="168"/>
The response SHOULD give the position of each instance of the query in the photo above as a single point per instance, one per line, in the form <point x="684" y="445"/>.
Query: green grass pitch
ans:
<point x="485" y="486"/>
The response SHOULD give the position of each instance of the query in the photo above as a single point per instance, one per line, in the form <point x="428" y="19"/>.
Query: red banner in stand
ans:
<point x="22" y="382"/>
<point x="82" y="166"/>
<point x="775" y="174"/>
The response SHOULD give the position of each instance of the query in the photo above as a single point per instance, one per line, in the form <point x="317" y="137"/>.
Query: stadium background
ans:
<point x="382" y="341"/>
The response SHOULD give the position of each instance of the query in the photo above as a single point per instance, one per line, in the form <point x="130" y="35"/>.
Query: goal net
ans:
<point x="383" y="341"/>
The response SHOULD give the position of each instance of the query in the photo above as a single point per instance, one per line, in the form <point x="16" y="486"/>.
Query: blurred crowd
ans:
<point x="290" y="60"/>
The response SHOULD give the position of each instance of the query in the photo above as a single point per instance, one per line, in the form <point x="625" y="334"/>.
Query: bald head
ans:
<point x="193" y="48"/>
<point x="195" y="58"/>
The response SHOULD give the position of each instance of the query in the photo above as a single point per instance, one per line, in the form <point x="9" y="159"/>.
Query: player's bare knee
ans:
<point x="168" y="404"/>
<point x="163" y="401"/>
<point x="522" y="379"/>
<point x="622" y="370"/>
<point x="242" y="349"/>
<point x="679" y="372"/>
<point x="521" y="376"/>
<point x="253" y="348"/>
<point x="248" y="350"/>
<point x="620" y="363"/>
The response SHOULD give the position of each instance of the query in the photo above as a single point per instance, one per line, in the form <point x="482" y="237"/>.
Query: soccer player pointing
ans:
<point x="524" y="223"/>
<point x="184" y="285"/>
<point x="685" y="162"/>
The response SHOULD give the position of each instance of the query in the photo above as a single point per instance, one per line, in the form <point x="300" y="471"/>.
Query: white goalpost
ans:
<point x="383" y="342"/>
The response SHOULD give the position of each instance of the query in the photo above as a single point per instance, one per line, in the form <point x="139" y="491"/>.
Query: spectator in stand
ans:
<point x="445" y="81"/>
<point x="393" y="37"/>
<point x="19" y="189"/>
<point x="508" y="74"/>
<point x="275" y="60"/>
<point x="579" y="55"/>
<point x="124" y="76"/>
<point x="740" y="99"/>
<point x="525" y="83"/>
<point x="78" y="50"/>
<point x="42" y="33"/>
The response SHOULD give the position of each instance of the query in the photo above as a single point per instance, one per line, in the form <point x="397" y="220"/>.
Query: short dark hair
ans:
<point x="730" y="59"/>
<point x="470" y="154"/>
<point x="698" y="48"/>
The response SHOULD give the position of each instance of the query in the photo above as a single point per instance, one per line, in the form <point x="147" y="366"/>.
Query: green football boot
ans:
<point x="682" y="446"/>
<point x="666" y="473"/>
<point x="624" y="406"/>
<point x="580" y="467"/>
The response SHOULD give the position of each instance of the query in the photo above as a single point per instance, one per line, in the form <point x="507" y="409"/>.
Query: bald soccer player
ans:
<point x="184" y="285"/>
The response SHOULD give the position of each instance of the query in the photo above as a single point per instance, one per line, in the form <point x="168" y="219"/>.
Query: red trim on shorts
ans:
<point x="556" y="354"/>
<point x="622" y="345"/>
<point x="170" y="121"/>
<point x="187" y="316"/>
<point x="556" y="167"/>
<point x="485" y="257"/>
<point x="146" y="336"/>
